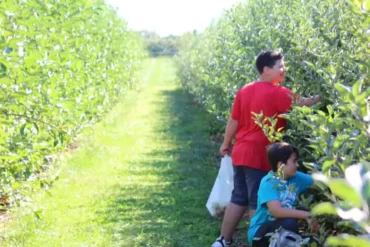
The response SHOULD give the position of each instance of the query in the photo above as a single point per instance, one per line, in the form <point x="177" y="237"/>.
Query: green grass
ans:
<point x="141" y="178"/>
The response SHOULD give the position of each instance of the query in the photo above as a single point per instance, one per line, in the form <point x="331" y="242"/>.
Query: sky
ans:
<point x="167" y="17"/>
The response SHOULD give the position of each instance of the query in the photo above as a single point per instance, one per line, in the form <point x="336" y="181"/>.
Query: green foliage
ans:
<point x="322" y="45"/>
<point x="326" y="46"/>
<point x="268" y="124"/>
<point x="63" y="65"/>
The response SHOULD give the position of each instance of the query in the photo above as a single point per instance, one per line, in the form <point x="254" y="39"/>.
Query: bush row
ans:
<point x="63" y="65"/>
<point x="327" y="50"/>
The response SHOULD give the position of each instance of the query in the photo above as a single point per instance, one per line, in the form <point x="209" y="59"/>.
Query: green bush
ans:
<point x="63" y="65"/>
<point x="327" y="50"/>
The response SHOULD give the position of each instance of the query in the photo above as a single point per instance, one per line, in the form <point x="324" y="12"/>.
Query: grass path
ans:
<point x="141" y="178"/>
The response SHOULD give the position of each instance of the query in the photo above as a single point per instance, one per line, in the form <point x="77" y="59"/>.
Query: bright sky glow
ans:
<point x="167" y="17"/>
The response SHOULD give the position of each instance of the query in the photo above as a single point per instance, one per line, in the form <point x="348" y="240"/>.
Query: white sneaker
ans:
<point x="220" y="242"/>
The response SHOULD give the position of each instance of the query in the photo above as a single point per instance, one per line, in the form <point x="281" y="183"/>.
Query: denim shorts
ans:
<point x="246" y="183"/>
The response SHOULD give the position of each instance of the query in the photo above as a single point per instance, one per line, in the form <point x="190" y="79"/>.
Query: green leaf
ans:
<point x="37" y="214"/>
<point x="356" y="88"/>
<point x="328" y="163"/>
<point x="16" y="185"/>
<point x="309" y="64"/>
<point x="36" y="127"/>
<point x="324" y="208"/>
<point x="342" y="189"/>
<point x="21" y="131"/>
<point x="348" y="240"/>
<point x="361" y="99"/>
<point x="343" y="90"/>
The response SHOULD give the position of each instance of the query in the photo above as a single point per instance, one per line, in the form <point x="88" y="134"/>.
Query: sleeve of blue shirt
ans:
<point x="303" y="182"/>
<point x="268" y="191"/>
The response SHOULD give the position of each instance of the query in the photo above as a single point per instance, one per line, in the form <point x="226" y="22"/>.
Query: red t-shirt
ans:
<point x="250" y="142"/>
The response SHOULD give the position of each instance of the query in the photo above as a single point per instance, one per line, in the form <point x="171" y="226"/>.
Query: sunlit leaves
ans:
<point x="63" y="64"/>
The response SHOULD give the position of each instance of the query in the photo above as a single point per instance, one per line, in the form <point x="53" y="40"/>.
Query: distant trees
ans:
<point x="163" y="46"/>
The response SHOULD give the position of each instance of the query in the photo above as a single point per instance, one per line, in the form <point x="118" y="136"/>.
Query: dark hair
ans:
<point x="280" y="152"/>
<point x="267" y="58"/>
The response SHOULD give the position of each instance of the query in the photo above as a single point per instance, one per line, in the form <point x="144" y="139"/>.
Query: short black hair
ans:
<point x="280" y="152"/>
<point x="267" y="58"/>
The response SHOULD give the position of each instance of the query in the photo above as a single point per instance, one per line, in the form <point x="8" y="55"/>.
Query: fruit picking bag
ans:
<point x="221" y="192"/>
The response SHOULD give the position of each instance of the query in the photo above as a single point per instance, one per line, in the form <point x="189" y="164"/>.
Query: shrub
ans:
<point x="63" y="65"/>
<point x="326" y="45"/>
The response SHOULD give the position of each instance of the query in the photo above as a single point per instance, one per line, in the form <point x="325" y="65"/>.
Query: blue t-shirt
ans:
<point x="272" y="188"/>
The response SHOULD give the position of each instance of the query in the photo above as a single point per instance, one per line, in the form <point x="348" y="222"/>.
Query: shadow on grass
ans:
<point x="171" y="213"/>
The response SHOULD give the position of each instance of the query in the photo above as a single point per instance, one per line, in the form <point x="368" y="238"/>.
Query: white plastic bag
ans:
<point x="222" y="188"/>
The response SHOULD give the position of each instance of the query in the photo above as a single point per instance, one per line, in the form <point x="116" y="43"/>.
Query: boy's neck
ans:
<point x="265" y="79"/>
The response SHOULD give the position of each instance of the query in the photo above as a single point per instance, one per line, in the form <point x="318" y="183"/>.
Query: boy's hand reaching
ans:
<point x="308" y="101"/>
<point x="315" y="227"/>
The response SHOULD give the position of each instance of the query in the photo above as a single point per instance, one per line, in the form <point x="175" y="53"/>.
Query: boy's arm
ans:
<point x="302" y="101"/>
<point x="231" y="127"/>
<point x="285" y="99"/>
<point x="278" y="211"/>
<point x="303" y="182"/>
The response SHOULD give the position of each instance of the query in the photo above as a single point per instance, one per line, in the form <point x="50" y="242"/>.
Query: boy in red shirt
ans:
<point x="249" y="154"/>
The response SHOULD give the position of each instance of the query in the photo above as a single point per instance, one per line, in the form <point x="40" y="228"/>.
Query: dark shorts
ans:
<point x="263" y="235"/>
<point x="246" y="183"/>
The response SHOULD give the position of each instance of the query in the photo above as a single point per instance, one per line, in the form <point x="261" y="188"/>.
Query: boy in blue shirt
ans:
<point x="278" y="192"/>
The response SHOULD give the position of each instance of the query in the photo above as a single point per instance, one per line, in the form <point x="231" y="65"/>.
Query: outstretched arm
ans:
<point x="278" y="211"/>
<point x="285" y="98"/>
<point x="302" y="101"/>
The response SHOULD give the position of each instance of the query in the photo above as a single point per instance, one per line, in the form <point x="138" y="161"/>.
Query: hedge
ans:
<point x="64" y="64"/>
<point x="326" y="44"/>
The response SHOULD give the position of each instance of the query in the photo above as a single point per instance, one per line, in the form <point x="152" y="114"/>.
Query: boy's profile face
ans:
<point x="277" y="72"/>
<point x="290" y="168"/>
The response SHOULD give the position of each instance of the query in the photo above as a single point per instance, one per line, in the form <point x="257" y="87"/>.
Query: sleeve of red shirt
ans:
<point x="284" y="99"/>
<point x="236" y="109"/>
